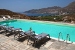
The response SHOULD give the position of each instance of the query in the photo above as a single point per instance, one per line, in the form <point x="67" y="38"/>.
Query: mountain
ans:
<point x="6" y="12"/>
<point x="11" y="13"/>
<point x="55" y="9"/>
<point x="70" y="8"/>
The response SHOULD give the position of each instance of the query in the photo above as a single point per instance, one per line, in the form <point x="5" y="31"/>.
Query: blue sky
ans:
<point x="24" y="5"/>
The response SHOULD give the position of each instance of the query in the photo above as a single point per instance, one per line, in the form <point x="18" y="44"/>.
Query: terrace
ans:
<point x="7" y="43"/>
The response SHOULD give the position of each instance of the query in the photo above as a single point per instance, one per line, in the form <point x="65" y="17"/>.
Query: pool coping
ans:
<point x="48" y="22"/>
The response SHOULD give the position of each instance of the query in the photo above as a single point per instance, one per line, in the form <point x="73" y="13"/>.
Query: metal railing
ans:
<point x="60" y="36"/>
<point x="67" y="38"/>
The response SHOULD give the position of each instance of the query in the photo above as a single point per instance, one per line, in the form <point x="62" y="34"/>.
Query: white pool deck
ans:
<point x="48" y="22"/>
<point x="8" y="43"/>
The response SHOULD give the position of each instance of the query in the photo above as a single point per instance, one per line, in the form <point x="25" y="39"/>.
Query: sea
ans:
<point x="37" y="14"/>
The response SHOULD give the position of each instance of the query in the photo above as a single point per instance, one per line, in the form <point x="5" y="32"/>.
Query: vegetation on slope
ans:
<point x="17" y="15"/>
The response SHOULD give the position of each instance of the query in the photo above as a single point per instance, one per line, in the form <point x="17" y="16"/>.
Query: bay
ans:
<point x="37" y="14"/>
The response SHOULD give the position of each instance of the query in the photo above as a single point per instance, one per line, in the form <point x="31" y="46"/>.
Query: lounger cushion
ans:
<point x="40" y="36"/>
<point x="22" y="33"/>
<point x="29" y="33"/>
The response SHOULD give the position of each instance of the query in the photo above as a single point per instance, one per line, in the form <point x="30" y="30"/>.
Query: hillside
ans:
<point x="69" y="9"/>
<point x="53" y="9"/>
<point x="11" y="13"/>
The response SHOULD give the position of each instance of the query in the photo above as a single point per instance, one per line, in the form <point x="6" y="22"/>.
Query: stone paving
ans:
<point x="9" y="43"/>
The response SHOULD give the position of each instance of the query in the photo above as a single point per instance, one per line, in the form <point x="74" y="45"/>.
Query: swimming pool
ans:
<point x="53" y="29"/>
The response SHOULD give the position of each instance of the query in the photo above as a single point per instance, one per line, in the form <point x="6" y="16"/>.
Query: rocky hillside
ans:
<point x="55" y="9"/>
<point x="12" y="14"/>
<point x="70" y="8"/>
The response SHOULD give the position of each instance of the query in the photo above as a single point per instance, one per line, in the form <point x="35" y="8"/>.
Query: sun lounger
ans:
<point x="2" y="27"/>
<point x="9" y="17"/>
<point x="22" y="33"/>
<point x="11" y="30"/>
<point x="7" y="29"/>
<point x="15" y="31"/>
<point x="26" y="33"/>
<point x="4" y="18"/>
<point x="39" y="37"/>
<point x="30" y="33"/>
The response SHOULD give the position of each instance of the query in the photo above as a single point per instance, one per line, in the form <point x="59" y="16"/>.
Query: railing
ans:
<point x="60" y="36"/>
<point x="67" y="38"/>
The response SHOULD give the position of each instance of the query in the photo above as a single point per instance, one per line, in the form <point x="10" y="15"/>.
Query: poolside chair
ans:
<point x="17" y="31"/>
<point x="30" y="33"/>
<point x="39" y="37"/>
<point x="12" y="30"/>
<point x="4" y="18"/>
<point x="19" y="35"/>
<point x="7" y="29"/>
<point x="26" y="33"/>
<point x="9" y="17"/>
<point x="2" y="28"/>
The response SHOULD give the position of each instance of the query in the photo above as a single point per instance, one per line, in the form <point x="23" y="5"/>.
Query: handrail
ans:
<point x="67" y="38"/>
<point x="60" y="35"/>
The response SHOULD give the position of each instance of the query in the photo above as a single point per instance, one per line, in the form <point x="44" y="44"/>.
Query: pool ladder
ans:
<point x="60" y="36"/>
<point x="67" y="38"/>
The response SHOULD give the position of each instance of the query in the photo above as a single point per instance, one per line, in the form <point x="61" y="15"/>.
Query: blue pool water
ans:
<point x="52" y="29"/>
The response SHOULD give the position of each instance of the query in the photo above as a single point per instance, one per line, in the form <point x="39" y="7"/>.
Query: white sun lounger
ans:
<point x="4" y="18"/>
<point x="9" y="17"/>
